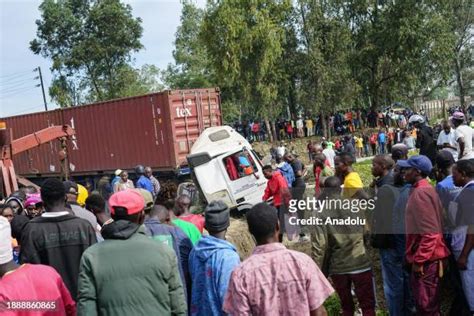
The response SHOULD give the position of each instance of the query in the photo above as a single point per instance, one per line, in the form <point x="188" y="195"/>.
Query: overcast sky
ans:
<point x="18" y="94"/>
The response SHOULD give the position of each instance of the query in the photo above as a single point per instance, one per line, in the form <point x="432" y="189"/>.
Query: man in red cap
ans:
<point x="129" y="273"/>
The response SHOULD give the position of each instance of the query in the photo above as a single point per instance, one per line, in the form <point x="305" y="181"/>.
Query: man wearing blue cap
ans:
<point x="426" y="248"/>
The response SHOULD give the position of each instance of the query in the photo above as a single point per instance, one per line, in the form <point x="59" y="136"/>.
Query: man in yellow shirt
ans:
<point x="352" y="187"/>
<point x="309" y="127"/>
<point x="359" y="142"/>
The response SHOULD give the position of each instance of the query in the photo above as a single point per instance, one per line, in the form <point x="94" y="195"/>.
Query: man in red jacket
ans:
<point x="426" y="249"/>
<point x="278" y="189"/>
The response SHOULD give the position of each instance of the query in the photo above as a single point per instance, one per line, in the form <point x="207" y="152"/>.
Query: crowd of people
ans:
<point x="422" y="222"/>
<point x="137" y="249"/>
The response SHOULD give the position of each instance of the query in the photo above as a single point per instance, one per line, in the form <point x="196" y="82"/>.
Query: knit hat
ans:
<point x="217" y="216"/>
<point x="82" y="195"/>
<point x="399" y="151"/>
<point x="6" y="252"/>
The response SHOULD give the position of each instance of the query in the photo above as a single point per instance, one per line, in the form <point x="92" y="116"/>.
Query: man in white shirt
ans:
<point x="447" y="140"/>
<point x="300" y="126"/>
<point x="329" y="153"/>
<point x="281" y="150"/>
<point x="463" y="135"/>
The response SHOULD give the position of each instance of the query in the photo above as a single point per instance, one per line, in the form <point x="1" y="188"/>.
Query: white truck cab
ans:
<point x="225" y="167"/>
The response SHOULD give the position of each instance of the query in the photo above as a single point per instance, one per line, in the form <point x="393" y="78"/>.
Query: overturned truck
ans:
<point x="225" y="167"/>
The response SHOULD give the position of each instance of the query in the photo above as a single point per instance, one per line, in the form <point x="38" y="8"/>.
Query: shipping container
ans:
<point x="156" y="130"/>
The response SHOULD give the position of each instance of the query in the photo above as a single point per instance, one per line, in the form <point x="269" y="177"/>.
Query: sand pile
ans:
<point x="238" y="234"/>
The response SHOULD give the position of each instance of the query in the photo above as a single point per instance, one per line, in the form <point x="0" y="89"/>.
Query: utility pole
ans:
<point x="42" y="88"/>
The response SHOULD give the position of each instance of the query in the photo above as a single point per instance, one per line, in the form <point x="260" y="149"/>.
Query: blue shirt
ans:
<point x="382" y="138"/>
<point x="211" y="263"/>
<point x="244" y="161"/>
<point x="447" y="191"/>
<point x="145" y="183"/>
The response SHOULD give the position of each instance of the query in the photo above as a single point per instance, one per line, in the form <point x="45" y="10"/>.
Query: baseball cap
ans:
<point x="444" y="159"/>
<point x="70" y="187"/>
<point x="6" y="253"/>
<point x="217" y="216"/>
<point x="420" y="162"/>
<point x="32" y="199"/>
<point x="118" y="172"/>
<point x="147" y="197"/>
<point x="458" y="115"/>
<point x="127" y="202"/>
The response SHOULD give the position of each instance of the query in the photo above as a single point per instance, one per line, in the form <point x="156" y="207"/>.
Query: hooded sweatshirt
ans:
<point x="287" y="172"/>
<point x="129" y="274"/>
<point x="211" y="263"/>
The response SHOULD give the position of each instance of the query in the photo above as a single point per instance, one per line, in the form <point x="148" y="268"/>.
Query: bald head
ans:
<point x="385" y="160"/>
<point x="183" y="202"/>
<point x="381" y="165"/>
<point x="160" y="213"/>
<point x="319" y="160"/>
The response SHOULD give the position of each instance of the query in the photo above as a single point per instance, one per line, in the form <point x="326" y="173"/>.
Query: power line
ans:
<point x="17" y="86"/>
<point x="25" y="110"/>
<point x="17" y="81"/>
<point x="12" y="93"/>
<point x="17" y="74"/>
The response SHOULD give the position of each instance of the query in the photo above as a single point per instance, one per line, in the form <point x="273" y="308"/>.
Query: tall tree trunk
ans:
<point x="460" y="82"/>
<point x="324" y="124"/>
<point x="292" y="96"/>
<point x="270" y="132"/>
<point x="274" y="130"/>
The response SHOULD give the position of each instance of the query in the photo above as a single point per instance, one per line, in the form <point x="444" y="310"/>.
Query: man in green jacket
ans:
<point x="340" y="251"/>
<point x="128" y="273"/>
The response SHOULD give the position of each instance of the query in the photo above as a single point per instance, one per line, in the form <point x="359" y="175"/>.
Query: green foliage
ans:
<point x="230" y="111"/>
<point x="326" y="75"/>
<point x="192" y="66"/>
<point x="333" y="305"/>
<point x="245" y="42"/>
<point x="460" y="14"/>
<point x="90" y="44"/>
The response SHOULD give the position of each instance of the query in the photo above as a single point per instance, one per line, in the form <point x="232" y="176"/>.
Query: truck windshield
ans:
<point x="239" y="165"/>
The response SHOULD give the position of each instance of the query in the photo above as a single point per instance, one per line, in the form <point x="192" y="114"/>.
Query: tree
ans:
<point x="191" y="68"/>
<point x="140" y="81"/>
<point x="244" y="40"/>
<point x="461" y="18"/>
<point x="90" y="44"/>
<point x="326" y="82"/>
<point x="399" y="48"/>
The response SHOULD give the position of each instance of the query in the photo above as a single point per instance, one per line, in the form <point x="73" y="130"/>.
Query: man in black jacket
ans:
<point x="57" y="238"/>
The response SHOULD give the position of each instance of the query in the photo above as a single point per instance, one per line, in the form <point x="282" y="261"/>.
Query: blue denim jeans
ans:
<point x="396" y="283"/>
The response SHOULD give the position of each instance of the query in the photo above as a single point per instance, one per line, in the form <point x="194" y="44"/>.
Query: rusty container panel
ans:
<point x="41" y="160"/>
<point x="118" y="134"/>
<point x="192" y="111"/>
<point x="154" y="130"/>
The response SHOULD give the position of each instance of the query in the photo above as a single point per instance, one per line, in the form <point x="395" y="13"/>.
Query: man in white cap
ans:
<point x="116" y="178"/>
<point x="463" y="135"/>
<point x="29" y="287"/>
